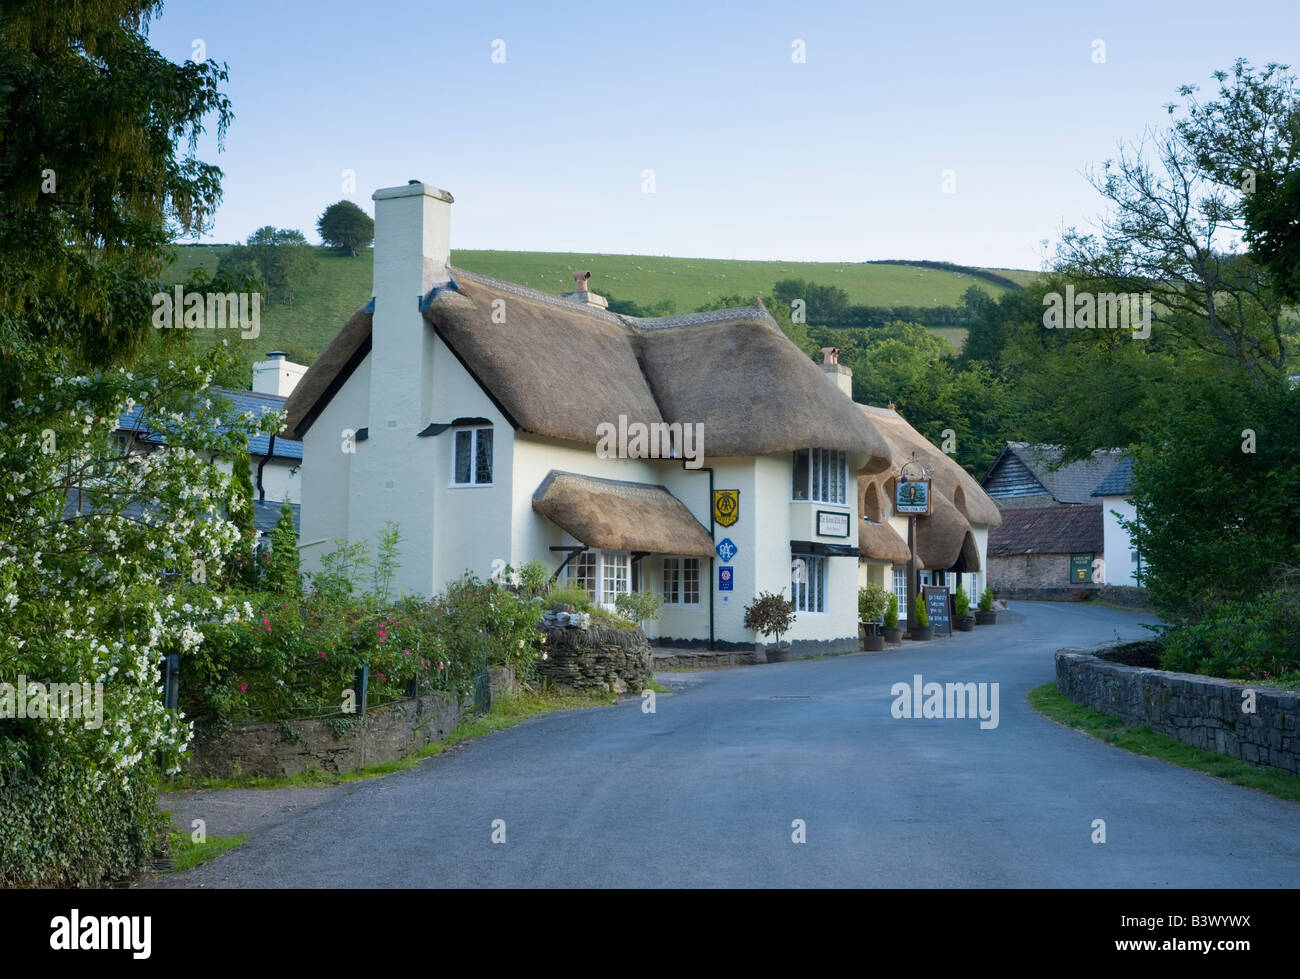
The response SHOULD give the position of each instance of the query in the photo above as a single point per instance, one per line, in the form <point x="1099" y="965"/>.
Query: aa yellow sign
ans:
<point x="726" y="506"/>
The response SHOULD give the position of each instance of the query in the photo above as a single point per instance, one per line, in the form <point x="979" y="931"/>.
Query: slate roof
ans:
<point x="1119" y="481"/>
<point x="1070" y="484"/>
<point x="241" y="402"/>
<point x="266" y="514"/>
<point x="1048" y="530"/>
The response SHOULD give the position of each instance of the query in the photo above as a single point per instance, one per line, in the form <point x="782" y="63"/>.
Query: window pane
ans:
<point x="691" y="581"/>
<point x="615" y="577"/>
<point x="799" y="485"/>
<point x="670" y="581"/>
<point x="463" y="440"/>
<point x="483" y="455"/>
<point x="582" y="572"/>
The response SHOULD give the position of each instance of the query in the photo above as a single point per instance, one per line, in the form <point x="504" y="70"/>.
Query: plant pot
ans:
<point x="986" y="618"/>
<point x="778" y="653"/>
<point x="921" y="633"/>
<point x="893" y="635"/>
<point x="873" y="642"/>
<point x="963" y="623"/>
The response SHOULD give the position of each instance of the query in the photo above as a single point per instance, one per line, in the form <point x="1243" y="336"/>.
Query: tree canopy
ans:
<point x="346" y="227"/>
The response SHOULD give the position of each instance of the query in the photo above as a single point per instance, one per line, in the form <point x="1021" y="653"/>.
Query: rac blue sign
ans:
<point x="727" y="549"/>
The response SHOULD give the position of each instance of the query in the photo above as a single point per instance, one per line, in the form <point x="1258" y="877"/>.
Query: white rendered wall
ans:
<point x="1118" y="544"/>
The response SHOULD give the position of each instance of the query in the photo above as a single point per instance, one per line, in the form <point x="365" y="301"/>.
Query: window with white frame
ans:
<point x="582" y="572"/>
<point x="821" y="476"/>
<point x="808" y="583"/>
<point x="615" y="576"/>
<point x="900" y="589"/>
<point x="472" y="456"/>
<point x="604" y="575"/>
<point x="681" y="585"/>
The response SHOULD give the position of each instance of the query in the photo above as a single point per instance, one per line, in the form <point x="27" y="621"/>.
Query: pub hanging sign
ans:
<point x="912" y="496"/>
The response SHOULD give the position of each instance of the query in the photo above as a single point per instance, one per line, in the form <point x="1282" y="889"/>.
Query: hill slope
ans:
<point x="341" y="285"/>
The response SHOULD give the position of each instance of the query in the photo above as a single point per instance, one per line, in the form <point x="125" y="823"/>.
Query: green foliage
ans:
<point x="571" y="594"/>
<point x="626" y="307"/>
<point x="534" y="580"/>
<point x="58" y="829"/>
<point x="346" y="227"/>
<point x="93" y="185"/>
<point x="281" y="575"/>
<point x="770" y="614"/>
<point x="1215" y="507"/>
<point x="919" y="615"/>
<point x="986" y="599"/>
<point x="873" y="600"/>
<point x="961" y="601"/>
<point x="1253" y="639"/>
<point x="639" y="606"/>
<point x="891" y="612"/>
<point x="279" y="257"/>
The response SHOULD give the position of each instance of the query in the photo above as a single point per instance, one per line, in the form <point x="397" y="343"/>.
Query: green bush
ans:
<point x="1256" y="639"/>
<point x="639" y="606"/>
<point x="891" y="612"/>
<point x="873" y="600"/>
<point x="58" y="830"/>
<point x="961" y="601"/>
<point x="986" y="599"/>
<point x="574" y="595"/>
<point x="921" y="616"/>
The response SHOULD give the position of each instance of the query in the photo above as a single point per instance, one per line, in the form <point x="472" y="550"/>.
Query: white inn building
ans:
<point x="470" y="410"/>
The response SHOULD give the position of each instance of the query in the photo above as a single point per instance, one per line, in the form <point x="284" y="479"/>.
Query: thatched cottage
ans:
<point x="477" y="414"/>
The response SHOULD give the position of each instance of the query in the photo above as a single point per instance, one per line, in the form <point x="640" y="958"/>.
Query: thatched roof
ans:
<point x="619" y="516"/>
<point x="945" y="536"/>
<point x="950" y="479"/>
<point x="560" y="369"/>
<point x="881" y="542"/>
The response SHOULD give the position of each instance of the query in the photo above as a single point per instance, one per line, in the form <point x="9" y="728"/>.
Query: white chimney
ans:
<point x="393" y="471"/>
<point x="839" y="374"/>
<point x="277" y="374"/>
<point x="412" y="256"/>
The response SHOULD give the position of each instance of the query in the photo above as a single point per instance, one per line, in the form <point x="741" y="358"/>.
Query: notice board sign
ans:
<point x="936" y="607"/>
<point x="1081" y="569"/>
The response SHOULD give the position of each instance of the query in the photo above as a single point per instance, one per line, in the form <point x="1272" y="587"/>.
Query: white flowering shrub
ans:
<point x="100" y="540"/>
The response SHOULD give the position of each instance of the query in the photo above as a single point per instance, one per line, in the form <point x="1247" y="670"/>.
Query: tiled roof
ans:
<point x="1048" y="530"/>
<point x="1069" y="484"/>
<point x="1118" y="482"/>
<point x="242" y="402"/>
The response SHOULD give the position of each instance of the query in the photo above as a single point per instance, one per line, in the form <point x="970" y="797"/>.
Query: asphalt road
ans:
<point x="704" y="792"/>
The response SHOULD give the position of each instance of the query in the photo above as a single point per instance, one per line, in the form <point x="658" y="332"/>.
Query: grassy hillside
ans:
<point x="341" y="285"/>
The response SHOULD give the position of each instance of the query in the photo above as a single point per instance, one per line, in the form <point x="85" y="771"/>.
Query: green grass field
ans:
<point x="341" y="285"/>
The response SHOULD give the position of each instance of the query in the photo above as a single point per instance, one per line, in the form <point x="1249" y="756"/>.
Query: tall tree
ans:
<point x="93" y="186"/>
<point x="346" y="227"/>
<point x="279" y="258"/>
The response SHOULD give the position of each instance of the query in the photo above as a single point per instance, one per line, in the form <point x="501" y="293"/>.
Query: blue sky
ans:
<point x="839" y="158"/>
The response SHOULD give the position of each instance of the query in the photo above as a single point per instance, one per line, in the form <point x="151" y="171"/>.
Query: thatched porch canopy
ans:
<point x="620" y="516"/>
<point x="881" y="542"/>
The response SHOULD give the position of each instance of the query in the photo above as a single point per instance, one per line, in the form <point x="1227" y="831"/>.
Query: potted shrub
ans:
<point x="770" y="615"/>
<point x="962" y="621"/>
<point x="985" y="615"/>
<point x="872" y="602"/>
<point x="922" y="630"/>
<point x="893" y="631"/>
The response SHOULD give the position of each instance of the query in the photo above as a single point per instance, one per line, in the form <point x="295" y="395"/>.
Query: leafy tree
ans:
<point x="346" y="227"/>
<point x="278" y="257"/>
<point x="92" y="185"/>
<point x="1249" y="138"/>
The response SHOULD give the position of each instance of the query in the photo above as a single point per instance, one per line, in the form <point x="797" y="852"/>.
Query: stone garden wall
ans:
<point x="335" y="745"/>
<point x="596" y="658"/>
<point x="1205" y="712"/>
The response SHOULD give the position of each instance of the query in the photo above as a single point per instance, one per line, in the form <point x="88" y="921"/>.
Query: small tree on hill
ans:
<point x="346" y="227"/>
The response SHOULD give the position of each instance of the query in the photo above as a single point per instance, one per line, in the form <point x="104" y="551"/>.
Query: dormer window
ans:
<point x="472" y="459"/>
<point x="820" y="476"/>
